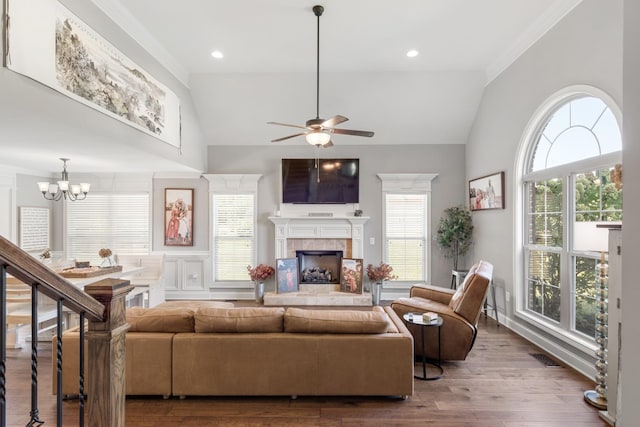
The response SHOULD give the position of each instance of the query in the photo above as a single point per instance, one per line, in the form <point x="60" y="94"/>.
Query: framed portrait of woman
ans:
<point x="287" y="275"/>
<point x="178" y="217"/>
<point x="351" y="275"/>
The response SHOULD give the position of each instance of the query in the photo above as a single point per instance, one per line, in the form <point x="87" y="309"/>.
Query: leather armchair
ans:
<point x="459" y="309"/>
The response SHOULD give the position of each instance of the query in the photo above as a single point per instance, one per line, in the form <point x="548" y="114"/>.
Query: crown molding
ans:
<point x="125" y="20"/>
<point x="535" y="32"/>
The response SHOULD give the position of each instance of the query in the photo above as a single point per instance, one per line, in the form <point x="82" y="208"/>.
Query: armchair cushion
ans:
<point x="433" y="293"/>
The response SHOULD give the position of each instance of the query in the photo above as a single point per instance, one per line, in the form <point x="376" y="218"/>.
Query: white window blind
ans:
<point x="234" y="225"/>
<point x="119" y="222"/>
<point x="405" y="234"/>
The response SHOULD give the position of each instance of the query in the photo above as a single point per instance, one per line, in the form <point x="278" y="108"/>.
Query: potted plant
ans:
<point x="454" y="233"/>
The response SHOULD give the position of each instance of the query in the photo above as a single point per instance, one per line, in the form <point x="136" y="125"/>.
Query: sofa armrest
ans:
<point x="433" y="293"/>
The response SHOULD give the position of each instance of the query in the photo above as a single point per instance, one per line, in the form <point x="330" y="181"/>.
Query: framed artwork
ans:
<point x="58" y="49"/>
<point x="287" y="275"/>
<point x="351" y="275"/>
<point x="178" y="217"/>
<point x="487" y="192"/>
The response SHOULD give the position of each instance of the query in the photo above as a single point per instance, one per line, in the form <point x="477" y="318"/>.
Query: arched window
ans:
<point x="569" y="149"/>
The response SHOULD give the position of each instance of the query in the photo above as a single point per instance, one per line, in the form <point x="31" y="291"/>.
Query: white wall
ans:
<point x="630" y="378"/>
<point x="584" y="48"/>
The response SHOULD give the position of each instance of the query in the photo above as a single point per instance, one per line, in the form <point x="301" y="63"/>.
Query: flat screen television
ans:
<point x="338" y="181"/>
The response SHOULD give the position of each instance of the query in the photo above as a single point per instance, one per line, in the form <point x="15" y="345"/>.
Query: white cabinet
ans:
<point x="187" y="276"/>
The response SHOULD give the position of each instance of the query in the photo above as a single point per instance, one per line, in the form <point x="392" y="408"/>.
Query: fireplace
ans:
<point x="319" y="266"/>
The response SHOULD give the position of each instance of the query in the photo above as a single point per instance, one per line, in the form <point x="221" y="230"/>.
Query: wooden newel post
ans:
<point x="106" y="354"/>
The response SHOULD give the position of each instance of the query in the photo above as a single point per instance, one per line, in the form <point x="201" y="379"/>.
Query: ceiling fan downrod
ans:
<point x="318" y="10"/>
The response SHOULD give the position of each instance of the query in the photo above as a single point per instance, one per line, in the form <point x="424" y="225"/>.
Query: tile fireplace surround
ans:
<point x="299" y="232"/>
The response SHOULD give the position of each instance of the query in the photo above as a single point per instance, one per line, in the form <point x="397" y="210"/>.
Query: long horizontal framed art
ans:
<point x="487" y="192"/>
<point x="48" y="43"/>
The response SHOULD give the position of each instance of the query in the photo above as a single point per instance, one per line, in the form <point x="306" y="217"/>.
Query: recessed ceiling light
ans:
<point x="217" y="54"/>
<point x="412" y="53"/>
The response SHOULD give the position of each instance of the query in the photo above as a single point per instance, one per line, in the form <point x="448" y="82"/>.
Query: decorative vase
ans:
<point x="259" y="292"/>
<point x="376" y="292"/>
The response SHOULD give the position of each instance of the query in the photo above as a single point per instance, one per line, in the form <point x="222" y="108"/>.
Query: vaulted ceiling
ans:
<point x="269" y="64"/>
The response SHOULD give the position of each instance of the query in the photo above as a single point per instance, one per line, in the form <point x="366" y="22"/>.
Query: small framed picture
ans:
<point x="351" y="275"/>
<point x="287" y="275"/>
<point x="487" y="192"/>
<point x="178" y="217"/>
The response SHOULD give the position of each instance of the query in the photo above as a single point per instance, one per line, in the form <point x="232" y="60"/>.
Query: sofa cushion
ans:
<point x="195" y="304"/>
<point x="240" y="319"/>
<point x="160" y="319"/>
<point x="335" y="321"/>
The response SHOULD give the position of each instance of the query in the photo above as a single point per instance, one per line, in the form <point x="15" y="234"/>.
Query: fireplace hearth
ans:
<point x="319" y="266"/>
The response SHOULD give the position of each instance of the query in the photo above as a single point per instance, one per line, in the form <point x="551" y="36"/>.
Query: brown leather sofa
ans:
<point x="459" y="309"/>
<point x="180" y="350"/>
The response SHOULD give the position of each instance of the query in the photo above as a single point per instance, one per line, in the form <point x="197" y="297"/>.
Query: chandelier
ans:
<point x="64" y="190"/>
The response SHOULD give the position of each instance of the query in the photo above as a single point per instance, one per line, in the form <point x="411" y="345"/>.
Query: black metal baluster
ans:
<point x="59" y="366"/>
<point x="34" y="358"/>
<point x="3" y="351"/>
<point x="81" y="376"/>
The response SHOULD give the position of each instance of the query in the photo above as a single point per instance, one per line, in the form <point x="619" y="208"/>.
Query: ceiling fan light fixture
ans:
<point x="412" y="53"/>
<point x="317" y="137"/>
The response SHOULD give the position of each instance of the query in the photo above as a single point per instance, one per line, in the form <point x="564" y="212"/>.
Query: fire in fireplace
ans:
<point x="319" y="266"/>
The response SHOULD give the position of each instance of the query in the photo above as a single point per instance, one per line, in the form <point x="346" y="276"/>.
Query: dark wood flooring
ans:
<point x="499" y="385"/>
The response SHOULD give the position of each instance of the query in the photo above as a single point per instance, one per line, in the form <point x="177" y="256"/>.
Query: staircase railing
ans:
<point x="103" y="305"/>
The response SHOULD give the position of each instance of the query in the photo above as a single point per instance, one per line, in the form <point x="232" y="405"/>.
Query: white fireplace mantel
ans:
<point x="325" y="227"/>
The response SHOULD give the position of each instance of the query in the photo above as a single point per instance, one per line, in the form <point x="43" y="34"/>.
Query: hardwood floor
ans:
<point x="500" y="384"/>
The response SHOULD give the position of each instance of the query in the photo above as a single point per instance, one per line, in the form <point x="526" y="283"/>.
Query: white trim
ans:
<point x="524" y="152"/>
<point x="585" y="366"/>
<point x="130" y="25"/>
<point x="221" y="183"/>
<point x="529" y="37"/>
<point x="398" y="182"/>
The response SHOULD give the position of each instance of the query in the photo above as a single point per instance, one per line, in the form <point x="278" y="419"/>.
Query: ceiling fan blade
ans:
<point x="328" y="144"/>
<point x="287" y="137"/>
<point x="353" y="132"/>
<point x="286" y="124"/>
<point x="333" y="121"/>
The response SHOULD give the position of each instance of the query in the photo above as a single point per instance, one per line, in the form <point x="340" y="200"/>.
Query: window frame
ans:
<point x="566" y="172"/>
<point x="408" y="184"/>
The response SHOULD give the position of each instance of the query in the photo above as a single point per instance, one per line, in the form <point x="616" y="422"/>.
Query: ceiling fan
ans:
<point x="318" y="131"/>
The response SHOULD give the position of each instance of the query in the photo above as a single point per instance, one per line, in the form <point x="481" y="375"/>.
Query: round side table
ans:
<point x="418" y="320"/>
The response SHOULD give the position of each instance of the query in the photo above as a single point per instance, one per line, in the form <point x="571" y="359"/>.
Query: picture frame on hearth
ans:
<point x="286" y="275"/>
<point x="351" y="275"/>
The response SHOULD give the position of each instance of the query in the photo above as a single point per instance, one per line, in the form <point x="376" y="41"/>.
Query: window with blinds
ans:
<point x="405" y="235"/>
<point x="119" y="222"/>
<point x="234" y="226"/>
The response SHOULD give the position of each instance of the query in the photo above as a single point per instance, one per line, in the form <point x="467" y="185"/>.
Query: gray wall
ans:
<point x="448" y="189"/>
<point x="584" y="48"/>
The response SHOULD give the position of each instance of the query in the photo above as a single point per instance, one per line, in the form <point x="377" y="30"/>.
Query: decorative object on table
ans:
<point x="48" y="46"/>
<point x="594" y="237"/>
<point x="107" y="257"/>
<point x="454" y="234"/>
<point x="84" y="272"/>
<point x="357" y="212"/>
<point x="259" y="274"/>
<point x="487" y="192"/>
<point x="46" y="254"/>
<point x="178" y="217"/>
<point x="82" y="264"/>
<point x="64" y="190"/>
<point x="377" y="276"/>
<point x="351" y="275"/>
<point x="287" y="275"/>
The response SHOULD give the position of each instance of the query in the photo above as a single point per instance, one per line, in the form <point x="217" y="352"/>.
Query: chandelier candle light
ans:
<point x="259" y="274"/>
<point x="63" y="189"/>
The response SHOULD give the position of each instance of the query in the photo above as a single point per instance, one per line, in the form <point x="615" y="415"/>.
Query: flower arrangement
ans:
<point x="260" y="272"/>
<point x="380" y="273"/>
